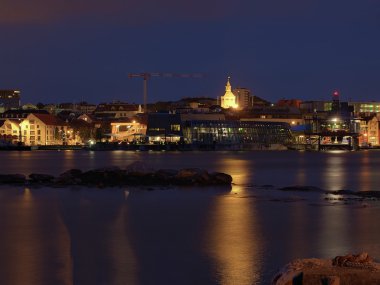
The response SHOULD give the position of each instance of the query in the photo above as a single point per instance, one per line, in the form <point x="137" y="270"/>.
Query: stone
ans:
<point x="138" y="167"/>
<point x="12" y="179"/>
<point x="192" y="176"/>
<point x="41" y="178"/>
<point x="220" y="178"/>
<point x="348" y="269"/>
<point x="70" y="177"/>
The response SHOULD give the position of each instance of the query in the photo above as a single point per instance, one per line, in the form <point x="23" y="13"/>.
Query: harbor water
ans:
<point x="184" y="235"/>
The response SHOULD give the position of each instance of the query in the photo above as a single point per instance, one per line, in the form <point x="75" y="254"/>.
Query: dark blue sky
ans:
<point x="55" y="51"/>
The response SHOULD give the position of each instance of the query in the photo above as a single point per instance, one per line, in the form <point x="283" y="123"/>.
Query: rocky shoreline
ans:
<point x="136" y="174"/>
<point x="349" y="269"/>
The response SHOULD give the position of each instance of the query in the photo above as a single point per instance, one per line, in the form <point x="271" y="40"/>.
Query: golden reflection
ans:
<point x="301" y="173"/>
<point x="124" y="264"/>
<point x="333" y="236"/>
<point x="233" y="239"/>
<point x="335" y="175"/>
<point x="237" y="168"/>
<point x="364" y="173"/>
<point x="30" y="248"/>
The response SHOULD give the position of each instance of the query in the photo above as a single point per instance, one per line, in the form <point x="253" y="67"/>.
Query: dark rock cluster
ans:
<point x="135" y="174"/>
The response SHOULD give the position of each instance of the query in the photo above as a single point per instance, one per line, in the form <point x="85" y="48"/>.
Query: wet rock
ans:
<point x="70" y="177"/>
<point x="41" y="178"/>
<point x="220" y="178"/>
<point x="191" y="176"/>
<point x="12" y="179"/>
<point x="301" y="188"/>
<point x="110" y="176"/>
<point x="138" y="168"/>
<point x="115" y="176"/>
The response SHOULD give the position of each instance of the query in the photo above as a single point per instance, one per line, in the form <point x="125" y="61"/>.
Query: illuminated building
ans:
<point x="43" y="129"/>
<point x="229" y="99"/>
<point x="243" y="98"/>
<point x="128" y="131"/>
<point x="365" y="108"/>
<point x="164" y="127"/>
<point x="10" y="130"/>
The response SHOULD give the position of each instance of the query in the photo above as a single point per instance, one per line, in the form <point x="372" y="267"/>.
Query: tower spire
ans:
<point x="228" y="85"/>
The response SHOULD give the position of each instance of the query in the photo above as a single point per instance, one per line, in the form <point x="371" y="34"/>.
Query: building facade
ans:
<point x="43" y="129"/>
<point x="229" y="98"/>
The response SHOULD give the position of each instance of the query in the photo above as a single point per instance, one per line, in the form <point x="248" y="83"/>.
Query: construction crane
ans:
<point x="147" y="75"/>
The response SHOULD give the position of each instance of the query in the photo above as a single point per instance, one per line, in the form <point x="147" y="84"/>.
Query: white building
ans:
<point x="229" y="99"/>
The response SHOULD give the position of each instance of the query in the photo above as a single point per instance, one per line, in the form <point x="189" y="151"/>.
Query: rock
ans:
<point x="138" y="167"/>
<point x="70" y="177"/>
<point x="137" y="174"/>
<point x="348" y="269"/>
<point x="189" y="176"/>
<point x="220" y="178"/>
<point x="12" y="178"/>
<point x="348" y="260"/>
<point x="165" y="176"/>
<point x="41" y="178"/>
<point x="110" y="176"/>
<point x="301" y="188"/>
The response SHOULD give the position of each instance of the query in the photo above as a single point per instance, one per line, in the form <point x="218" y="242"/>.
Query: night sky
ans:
<point x="74" y="50"/>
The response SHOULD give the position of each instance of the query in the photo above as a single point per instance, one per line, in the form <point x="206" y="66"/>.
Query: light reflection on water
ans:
<point x="32" y="237"/>
<point x="335" y="172"/>
<point x="60" y="236"/>
<point x="233" y="241"/>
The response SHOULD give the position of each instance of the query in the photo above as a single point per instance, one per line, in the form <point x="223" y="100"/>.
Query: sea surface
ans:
<point x="184" y="235"/>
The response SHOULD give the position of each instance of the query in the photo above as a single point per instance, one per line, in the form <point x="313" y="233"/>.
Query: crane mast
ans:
<point x="147" y="75"/>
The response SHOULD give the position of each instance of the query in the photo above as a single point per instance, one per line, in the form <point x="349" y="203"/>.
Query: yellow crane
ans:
<point x="147" y="75"/>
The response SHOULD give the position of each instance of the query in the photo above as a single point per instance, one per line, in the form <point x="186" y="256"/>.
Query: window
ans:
<point x="38" y="132"/>
<point x="38" y="126"/>
<point x="38" y="138"/>
<point x="176" y="128"/>
<point x="32" y="138"/>
<point x="32" y="133"/>
<point x="31" y="122"/>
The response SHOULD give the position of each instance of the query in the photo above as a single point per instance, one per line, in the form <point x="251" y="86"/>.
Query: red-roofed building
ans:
<point x="43" y="129"/>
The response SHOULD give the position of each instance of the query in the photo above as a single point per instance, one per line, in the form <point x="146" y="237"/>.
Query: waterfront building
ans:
<point x="229" y="99"/>
<point x="129" y="131"/>
<point x="334" y="128"/>
<point x="9" y="99"/>
<point x="10" y="130"/>
<point x="245" y="134"/>
<point x="165" y="127"/>
<point x="369" y="131"/>
<point x="43" y="129"/>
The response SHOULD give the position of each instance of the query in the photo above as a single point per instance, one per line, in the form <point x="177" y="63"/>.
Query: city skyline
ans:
<point x="84" y="51"/>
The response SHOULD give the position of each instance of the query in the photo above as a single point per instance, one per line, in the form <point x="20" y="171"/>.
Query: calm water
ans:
<point x="238" y="236"/>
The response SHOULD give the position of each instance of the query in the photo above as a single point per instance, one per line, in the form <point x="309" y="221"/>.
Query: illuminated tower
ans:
<point x="229" y="99"/>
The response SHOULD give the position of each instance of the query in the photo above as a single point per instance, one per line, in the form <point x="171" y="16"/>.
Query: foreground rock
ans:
<point x="135" y="174"/>
<point x="342" y="270"/>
